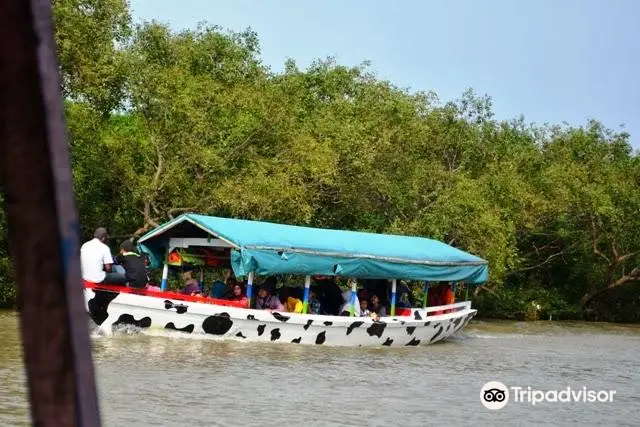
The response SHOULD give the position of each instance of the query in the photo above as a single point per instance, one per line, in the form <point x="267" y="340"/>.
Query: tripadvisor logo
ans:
<point x="495" y="395"/>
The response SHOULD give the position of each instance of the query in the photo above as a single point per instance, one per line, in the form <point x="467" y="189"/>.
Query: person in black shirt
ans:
<point x="133" y="263"/>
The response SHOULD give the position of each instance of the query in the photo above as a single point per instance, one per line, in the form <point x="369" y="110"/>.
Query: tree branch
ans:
<point x="632" y="276"/>
<point x="625" y="257"/>
<point x="546" y="261"/>
<point x="595" y="248"/>
<point x="173" y="211"/>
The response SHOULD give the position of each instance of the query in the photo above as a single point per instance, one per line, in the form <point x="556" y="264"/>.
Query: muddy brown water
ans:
<point x="173" y="380"/>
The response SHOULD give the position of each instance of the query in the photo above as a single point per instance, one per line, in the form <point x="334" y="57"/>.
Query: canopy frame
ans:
<point x="254" y="247"/>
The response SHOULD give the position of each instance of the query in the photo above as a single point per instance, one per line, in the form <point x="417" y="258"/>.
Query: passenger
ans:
<point x="403" y="294"/>
<point x="271" y="283"/>
<point x="293" y="305"/>
<point x="192" y="289"/>
<point x="346" y="306"/>
<point x="446" y="295"/>
<point x="331" y="297"/>
<point x="230" y="284"/>
<point x="314" y="303"/>
<point x="96" y="261"/>
<point x="238" y="294"/>
<point x="364" y="308"/>
<point x="266" y="301"/>
<point x="403" y="301"/>
<point x="191" y="285"/>
<point x="134" y="265"/>
<point x="218" y="289"/>
<point x="433" y="296"/>
<point x="376" y="307"/>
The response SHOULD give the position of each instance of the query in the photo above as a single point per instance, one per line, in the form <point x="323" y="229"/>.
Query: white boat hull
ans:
<point x="111" y="310"/>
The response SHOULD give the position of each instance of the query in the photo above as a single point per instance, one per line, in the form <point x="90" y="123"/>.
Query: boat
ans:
<point x="257" y="249"/>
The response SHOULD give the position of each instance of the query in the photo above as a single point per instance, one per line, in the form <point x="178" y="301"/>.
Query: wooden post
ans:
<point x="42" y="220"/>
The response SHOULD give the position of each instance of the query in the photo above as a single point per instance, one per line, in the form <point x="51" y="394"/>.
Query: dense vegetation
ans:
<point x="163" y="122"/>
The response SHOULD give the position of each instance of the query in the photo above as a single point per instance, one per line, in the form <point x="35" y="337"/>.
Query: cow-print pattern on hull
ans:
<point x="231" y="322"/>
<point x="414" y="342"/>
<point x="128" y="319"/>
<point x="189" y="328"/>
<point x="377" y="329"/>
<point x="309" y="322"/>
<point x="218" y="324"/>
<point x="180" y="308"/>
<point x="433" y="338"/>
<point x="99" y="305"/>
<point x="353" y="326"/>
<point x="280" y="317"/>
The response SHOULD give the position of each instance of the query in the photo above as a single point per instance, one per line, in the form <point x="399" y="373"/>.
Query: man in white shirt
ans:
<point x="96" y="260"/>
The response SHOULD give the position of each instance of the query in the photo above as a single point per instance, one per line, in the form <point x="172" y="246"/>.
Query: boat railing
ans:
<point x="449" y="308"/>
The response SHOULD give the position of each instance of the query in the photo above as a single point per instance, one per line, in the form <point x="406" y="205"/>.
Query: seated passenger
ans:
<point x="433" y="296"/>
<point x="293" y="305"/>
<point x="403" y="301"/>
<point x="375" y="306"/>
<point x="191" y="285"/>
<point x="238" y="294"/>
<point x="96" y="260"/>
<point x="364" y="308"/>
<point x="446" y="295"/>
<point x="403" y="293"/>
<point x="329" y="294"/>
<point x="192" y="289"/>
<point x="314" y="303"/>
<point x="346" y="306"/>
<point x="266" y="301"/>
<point x="218" y="289"/>
<point x="133" y="264"/>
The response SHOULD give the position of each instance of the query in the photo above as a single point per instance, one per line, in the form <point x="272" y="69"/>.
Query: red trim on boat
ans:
<point x="163" y="295"/>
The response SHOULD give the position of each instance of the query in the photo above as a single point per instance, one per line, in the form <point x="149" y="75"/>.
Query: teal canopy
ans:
<point x="268" y="248"/>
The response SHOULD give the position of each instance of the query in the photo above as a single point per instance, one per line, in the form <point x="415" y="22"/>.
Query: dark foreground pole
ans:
<point x="42" y="219"/>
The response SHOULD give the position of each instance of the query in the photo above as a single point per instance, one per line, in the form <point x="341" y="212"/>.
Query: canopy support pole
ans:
<point x="354" y="290"/>
<point x="426" y="295"/>
<point x="202" y="280"/>
<point x="466" y="285"/>
<point x="305" y="298"/>
<point x="165" y="276"/>
<point x="393" y="297"/>
<point x="249" y="288"/>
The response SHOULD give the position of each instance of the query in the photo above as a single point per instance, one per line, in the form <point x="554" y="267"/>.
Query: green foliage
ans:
<point x="163" y="122"/>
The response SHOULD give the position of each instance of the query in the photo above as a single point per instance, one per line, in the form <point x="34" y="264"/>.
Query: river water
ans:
<point x="168" y="380"/>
